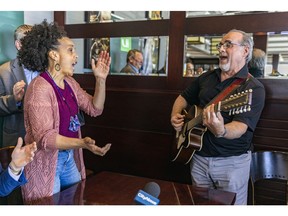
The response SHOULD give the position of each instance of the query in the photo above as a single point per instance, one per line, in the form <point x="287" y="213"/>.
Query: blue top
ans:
<point x="8" y="184"/>
<point x="30" y="75"/>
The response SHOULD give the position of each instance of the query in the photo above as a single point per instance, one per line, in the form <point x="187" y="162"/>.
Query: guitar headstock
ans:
<point x="237" y="103"/>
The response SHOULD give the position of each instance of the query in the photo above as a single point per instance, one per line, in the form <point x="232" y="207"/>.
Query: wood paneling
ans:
<point x="272" y="129"/>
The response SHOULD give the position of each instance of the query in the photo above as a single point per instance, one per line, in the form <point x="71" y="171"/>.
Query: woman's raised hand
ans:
<point x="101" y="69"/>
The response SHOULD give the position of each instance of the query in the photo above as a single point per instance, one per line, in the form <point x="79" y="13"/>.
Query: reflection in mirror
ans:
<point x="190" y="14"/>
<point x="277" y="55"/>
<point x="200" y="55"/>
<point x="150" y="58"/>
<point x="81" y="17"/>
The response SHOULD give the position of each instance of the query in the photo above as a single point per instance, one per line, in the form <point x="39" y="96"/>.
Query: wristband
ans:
<point x="222" y="135"/>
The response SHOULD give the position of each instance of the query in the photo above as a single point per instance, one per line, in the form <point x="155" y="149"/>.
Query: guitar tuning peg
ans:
<point x="249" y="108"/>
<point x="245" y="108"/>
<point x="237" y="111"/>
<point x="241" y="111"/>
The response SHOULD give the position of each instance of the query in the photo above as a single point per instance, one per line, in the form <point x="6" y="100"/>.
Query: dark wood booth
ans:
<point x="136" y="119"/>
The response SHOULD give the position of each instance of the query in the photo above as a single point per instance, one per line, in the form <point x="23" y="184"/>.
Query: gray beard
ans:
<point x="225" y="67"/>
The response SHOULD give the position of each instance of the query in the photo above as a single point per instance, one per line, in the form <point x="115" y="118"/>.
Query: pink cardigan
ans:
<point x="41" y="116"/>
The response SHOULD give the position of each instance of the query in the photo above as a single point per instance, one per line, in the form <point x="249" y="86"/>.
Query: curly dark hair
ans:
<point x="37" y="43"/>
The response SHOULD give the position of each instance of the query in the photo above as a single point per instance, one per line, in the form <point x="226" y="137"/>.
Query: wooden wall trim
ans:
<point x="176" y="45"/>
<point x="59" y="17"/>
<point x="123" y="29"/>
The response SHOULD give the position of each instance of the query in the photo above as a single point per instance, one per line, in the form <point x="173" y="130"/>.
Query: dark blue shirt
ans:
<point x="207" y="86"/>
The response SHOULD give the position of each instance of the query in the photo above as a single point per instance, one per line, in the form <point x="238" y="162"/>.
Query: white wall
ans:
<point x="36" y="17"/>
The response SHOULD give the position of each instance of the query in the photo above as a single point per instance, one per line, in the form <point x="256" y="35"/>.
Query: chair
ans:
<point x="269" y="165"/>
<point x="5" y="156"/>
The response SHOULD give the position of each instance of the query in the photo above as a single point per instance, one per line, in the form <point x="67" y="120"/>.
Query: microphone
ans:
<point x="149" y="194"/>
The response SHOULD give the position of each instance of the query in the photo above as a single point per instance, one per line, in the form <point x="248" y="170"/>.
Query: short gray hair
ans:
<point x="21" y="31"/>
<point x="258" y="59"/>
<point x="247" y="41"/>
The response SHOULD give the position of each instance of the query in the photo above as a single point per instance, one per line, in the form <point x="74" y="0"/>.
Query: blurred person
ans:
<point x="224" y="160"/>
<point x="189" y="70"/>
<point x="257" y="63"/>
<point x="13" y="176"/>
<point x="14" y="79"/>
<point x="51" y="106"/>
<point x="134" y="62"/>
<point x="199" y="71"/>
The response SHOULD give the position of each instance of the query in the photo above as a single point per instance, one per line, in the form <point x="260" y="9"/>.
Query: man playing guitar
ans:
<point x="223" y="162"/>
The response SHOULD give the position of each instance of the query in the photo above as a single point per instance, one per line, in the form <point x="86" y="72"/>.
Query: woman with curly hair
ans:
<point x="51" y="107"/>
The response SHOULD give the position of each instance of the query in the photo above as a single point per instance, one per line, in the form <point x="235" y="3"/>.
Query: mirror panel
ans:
<point x="277" y="55"/>
<point x="81" y="17"/>
<point x="154" y="53"/>
<point x="202" y="53"/>
<point x="190" y="14"/>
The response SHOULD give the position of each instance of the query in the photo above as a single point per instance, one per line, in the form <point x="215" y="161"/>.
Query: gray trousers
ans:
<point x="223" y="173"/>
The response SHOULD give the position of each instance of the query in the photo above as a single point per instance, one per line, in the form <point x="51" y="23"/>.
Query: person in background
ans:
<point x="51" y="106"/>
<point x="134" y="62"/>
<point x="189" y="70"/>
<point x="257" y="63"/>
<point x="14" y="79"/>
<point x="199" y="71"/>
<point x="224" y="160"/>
<point x="13" y="176"/>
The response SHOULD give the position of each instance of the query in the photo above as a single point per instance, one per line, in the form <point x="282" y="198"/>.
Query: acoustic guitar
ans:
<point x="189" y="139"/>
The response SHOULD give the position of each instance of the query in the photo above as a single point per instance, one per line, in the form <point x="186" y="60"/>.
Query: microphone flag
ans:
<point x="149" y="195"/>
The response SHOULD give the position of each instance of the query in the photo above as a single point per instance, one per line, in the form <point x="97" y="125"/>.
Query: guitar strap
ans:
<point x="235" y="84"/>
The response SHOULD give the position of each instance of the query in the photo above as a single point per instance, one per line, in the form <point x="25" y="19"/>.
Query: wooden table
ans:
<point x="107" y="188"/>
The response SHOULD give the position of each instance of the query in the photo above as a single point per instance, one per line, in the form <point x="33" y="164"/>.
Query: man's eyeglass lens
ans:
<point x="227" y="44"/>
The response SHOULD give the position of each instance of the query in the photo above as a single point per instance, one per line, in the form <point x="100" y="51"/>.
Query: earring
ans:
<point x="57" y="67"/>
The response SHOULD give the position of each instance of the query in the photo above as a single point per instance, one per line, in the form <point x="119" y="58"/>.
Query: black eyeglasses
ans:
<point x="227" y="44"/>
